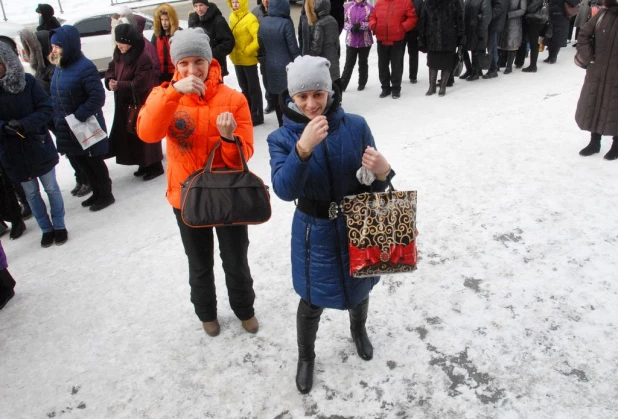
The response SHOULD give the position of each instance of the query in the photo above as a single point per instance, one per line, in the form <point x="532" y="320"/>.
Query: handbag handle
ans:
<point x="211" y="156"/>
<point x="134" y="95"/>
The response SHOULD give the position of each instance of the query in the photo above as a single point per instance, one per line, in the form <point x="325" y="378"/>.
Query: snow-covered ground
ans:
<point x="511" y="314"/>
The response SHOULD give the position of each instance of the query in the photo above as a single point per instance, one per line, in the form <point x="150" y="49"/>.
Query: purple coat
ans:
<point x="3" y="263"/>
<point x="358" y="13"/>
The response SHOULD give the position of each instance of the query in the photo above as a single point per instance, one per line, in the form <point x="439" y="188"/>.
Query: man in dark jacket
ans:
<point x="499" y="9"/>
<point x="412" y="43"/>
<point x="208" y="17"/>
<point x="47" y="20"/>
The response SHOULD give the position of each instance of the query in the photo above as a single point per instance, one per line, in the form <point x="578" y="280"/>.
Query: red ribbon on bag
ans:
<point x="374" y="255"/>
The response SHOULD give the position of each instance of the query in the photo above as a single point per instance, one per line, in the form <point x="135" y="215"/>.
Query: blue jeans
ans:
<point x="37" y="205"/>
<point x="492" y="49"/>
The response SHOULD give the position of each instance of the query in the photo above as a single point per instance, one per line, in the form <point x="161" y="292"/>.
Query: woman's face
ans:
<point x="124" y="48"/>
<point x="193" y="66"/>
<point x="55" y="55"/>
<point x="235" y="5"/>
<point x="312" y="103"/>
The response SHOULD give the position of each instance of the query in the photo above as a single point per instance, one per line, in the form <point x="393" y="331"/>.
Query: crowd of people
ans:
<point x="176" y="82"/>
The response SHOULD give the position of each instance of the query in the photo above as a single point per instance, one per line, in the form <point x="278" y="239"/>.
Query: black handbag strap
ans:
<point x="134" y="95"/>
<point x="211" y="156"/>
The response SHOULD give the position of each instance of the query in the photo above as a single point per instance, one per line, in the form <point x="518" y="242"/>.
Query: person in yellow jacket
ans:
<point x="244" y="26"/>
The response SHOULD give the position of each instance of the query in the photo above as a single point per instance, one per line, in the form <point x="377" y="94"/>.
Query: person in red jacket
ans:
<point x="164" y="27"/>
<point x="389" y="22"/>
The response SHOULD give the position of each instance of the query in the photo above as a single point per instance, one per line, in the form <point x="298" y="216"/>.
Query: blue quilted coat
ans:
<point x="76" y="89"/>
<point x="320" y="257"/>
<point x="27" y="158"/>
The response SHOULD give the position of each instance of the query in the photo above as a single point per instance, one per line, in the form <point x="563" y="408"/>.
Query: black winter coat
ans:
<point x="499" y="10"/>
<point x="441" y="26"/>
<point x="559" y="22"/>
<point x="216" y="27"/>
<point x="47" y="21"/>
<point x="477" y="15"/>
<point x="27" y="158"/>
<point x="324" y="33"/>
<point x="597" y="109"/>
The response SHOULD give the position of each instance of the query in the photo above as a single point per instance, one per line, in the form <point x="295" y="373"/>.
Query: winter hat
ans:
<point x="127" y="34"/>
<point x="14" y="81"/>
<point x="200" y="1"/>
<point x="192" y="42"/>
<point x="307" y="72"/>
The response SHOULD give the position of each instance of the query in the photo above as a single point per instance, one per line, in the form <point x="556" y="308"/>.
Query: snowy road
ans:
<point x="511" y="314"/>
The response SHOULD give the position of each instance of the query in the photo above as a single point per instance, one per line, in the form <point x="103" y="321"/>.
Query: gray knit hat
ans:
<point x="308" y="73"/>
<point x="192" y="42"/>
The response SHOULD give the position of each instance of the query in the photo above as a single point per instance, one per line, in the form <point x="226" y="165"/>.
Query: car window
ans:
<point x="95" y="26"/>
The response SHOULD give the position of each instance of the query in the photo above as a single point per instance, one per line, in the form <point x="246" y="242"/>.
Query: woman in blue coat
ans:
<point x="27" y="151"/>
<point x="315" y="157"/>
<point x="76" y="89"/>
<point x="280" y="47"/>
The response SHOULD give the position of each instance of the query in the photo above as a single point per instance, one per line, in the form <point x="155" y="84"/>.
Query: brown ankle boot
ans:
<point x="212" y="328"/>
<point x="251" y="325"/>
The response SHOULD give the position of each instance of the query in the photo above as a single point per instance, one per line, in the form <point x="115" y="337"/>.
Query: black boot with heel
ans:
<point x="307" y="323"/>
<point x="358" y="318"/>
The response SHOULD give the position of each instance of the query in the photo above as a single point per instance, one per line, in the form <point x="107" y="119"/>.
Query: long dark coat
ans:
<point x="130" y="68"/>
<point x="511" y="36"/>
<point x="597" y="108"/>
<point x="441" y="26"/>
<point x="477" y="15"/>
<point x="276" y="37"/>
<point x="559" y="22"/>
<point x="324" y="34"/>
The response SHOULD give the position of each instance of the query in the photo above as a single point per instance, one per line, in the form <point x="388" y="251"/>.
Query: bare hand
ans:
<point x="190" y="84"/>
<point x="113" y="85"/>
<point x="314" y="133"/>
<point x="375" y="162"/>
<point x="226" y="124"/>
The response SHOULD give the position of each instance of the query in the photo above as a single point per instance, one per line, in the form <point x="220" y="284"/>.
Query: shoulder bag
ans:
<point x="224" y="197"/>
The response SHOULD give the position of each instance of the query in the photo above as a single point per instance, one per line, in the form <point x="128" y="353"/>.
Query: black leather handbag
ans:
<point x="224" y="197"/>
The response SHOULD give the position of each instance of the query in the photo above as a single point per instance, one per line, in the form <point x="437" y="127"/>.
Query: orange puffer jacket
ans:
<point x="189" y="122"/>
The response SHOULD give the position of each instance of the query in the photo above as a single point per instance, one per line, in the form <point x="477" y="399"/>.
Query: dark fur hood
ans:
<point x="15" y="79"/>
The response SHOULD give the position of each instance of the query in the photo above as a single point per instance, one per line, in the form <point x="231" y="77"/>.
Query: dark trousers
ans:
<point x="249" y="83"/>
<point x="233" y="246"/>
<point x="97" y="174"/>
<point x="390" y="65"/>
<point x="80" y="176"/>
<point x="9" y="206"/>
<point x="350" y="61"/>
<point x="267" y="95"/>
<point x="492" y="49"/>
<point x="7" y="285"/>
<point x="273" y="101"/>
<point x="531" y="36"/>
<point x="412" y="43"/>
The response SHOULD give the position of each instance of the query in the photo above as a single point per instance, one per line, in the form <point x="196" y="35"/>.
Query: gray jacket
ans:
<point x="324" y="34"/>
<point x="511" y="36"/>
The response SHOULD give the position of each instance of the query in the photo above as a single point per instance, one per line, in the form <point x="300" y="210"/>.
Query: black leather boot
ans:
<point x="433" y="76"/>
<point x="612" y="154"/>
<point x="307" y="323"/>
<point x="358" y="318"/>
<point x="593" y="147"/>
<point x="444" y="82"/>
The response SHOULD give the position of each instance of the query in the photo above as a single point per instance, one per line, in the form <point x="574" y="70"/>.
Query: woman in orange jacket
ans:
<point x="195" y="111"/>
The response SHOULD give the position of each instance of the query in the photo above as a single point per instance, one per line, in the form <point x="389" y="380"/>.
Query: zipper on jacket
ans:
<point x="308" y="261"/>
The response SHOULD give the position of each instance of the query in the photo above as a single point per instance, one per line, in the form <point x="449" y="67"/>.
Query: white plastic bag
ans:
<point x="88" y="133"/>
